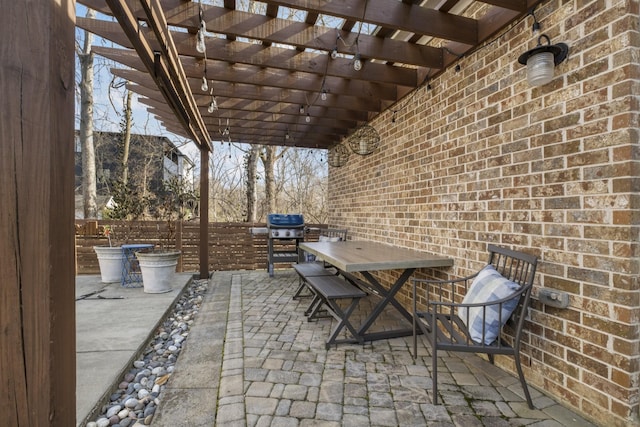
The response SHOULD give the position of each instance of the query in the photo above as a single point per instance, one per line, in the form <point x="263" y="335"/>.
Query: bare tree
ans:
<point x="126" y="137"/>
<point x="227" y="193"/>
<point x="89" y="186"/>
<point x="302" y="184"/>
<point x="251" y="165"/>
<point x="269" y="156"/>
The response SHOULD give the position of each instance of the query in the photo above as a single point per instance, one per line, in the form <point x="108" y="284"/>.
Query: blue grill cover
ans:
<point x="285" y="220"/>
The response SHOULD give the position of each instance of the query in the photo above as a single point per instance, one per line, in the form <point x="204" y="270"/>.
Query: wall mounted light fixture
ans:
<point x="542" y="59"/>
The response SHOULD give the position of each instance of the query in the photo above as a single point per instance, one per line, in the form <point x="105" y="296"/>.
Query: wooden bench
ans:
<point x="329" y="290"/>
<point x="497" y="295"/>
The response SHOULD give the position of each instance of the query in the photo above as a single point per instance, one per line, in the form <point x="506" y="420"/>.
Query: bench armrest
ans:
<point x="441" y="290"/>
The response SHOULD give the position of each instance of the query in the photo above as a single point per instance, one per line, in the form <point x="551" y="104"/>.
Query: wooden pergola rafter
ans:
<point x="162" y="62"/>
<point x="265" y="64"/>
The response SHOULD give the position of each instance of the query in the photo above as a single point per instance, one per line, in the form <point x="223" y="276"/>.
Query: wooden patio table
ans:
<point x="365" y="257"/>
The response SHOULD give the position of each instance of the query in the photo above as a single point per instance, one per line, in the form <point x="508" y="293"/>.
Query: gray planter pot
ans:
<point x="158" y="270"/>
<point x="110" y="261"/>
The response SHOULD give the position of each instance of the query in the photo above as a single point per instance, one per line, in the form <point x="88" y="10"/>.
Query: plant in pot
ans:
<point x="126" y="204"/>
<point x="109" y="258"/>
<point x="158" y="267"/>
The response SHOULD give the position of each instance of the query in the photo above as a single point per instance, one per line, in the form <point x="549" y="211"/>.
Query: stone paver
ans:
<point x="275" y="371"/>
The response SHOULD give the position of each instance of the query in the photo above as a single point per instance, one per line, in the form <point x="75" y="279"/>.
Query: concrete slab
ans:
<point x="113" y="323"/>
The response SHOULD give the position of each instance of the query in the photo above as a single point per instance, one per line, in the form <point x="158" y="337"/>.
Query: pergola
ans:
<point x="297" y="73"/>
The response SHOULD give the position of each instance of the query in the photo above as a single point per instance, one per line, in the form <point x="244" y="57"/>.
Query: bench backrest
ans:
<point x="518" y="267"/>
<point x="335" y="232"/>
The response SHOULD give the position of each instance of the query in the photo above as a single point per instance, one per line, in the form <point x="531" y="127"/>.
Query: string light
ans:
<point x="213" y="106"/>
<point x="323" y="95"/>
<point x="301" y="109"/>
<point x="308" y="118"/>
<point x="334" y="51"/>
<point x="200" y="45"/>
<point x="357" y="64"/>
<point x="205" y="85"/>
<point x="535" y="28"/>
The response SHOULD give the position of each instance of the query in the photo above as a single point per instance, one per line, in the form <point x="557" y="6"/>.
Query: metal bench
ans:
<point x="475" y="325"/>
<point x="309" y="269"/>
<point x="317" y="268"/>
<point x="328" y="291"/>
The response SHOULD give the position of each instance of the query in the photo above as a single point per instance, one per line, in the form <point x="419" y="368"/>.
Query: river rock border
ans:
<point x="133" y="403"/>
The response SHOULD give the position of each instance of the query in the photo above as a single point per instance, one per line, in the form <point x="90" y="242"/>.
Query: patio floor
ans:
<point x="113" y="325"/>
<point x="253" y="359"/>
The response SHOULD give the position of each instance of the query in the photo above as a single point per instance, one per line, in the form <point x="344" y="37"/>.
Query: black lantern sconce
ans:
<point x="542" y="59"/>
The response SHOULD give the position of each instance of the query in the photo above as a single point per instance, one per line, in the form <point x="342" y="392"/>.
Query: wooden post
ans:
<point x="179" y="226"/>
<point x="204" y="213"/>
<point x="37" y="290"/>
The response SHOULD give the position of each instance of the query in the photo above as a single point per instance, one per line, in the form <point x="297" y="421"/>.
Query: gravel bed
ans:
<point x="134" y="401"/>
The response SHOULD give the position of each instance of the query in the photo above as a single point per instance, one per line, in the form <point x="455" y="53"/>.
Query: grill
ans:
<point x="284" y="231"/>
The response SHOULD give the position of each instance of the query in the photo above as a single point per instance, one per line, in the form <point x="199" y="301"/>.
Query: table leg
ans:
<point x="388" y="296"/>
<point x="343" y="322"/>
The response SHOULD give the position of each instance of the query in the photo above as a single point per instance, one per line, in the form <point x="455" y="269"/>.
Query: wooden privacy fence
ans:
<point x="232" y="246"/>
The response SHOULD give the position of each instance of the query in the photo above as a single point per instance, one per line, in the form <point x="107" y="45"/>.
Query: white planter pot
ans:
<point x="158" y="270"/>
<point x="110" y="260"/>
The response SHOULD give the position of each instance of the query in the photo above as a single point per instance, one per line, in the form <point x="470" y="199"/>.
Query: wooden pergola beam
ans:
<point x="252" y="75"/>
<point x="257" y="55"/>
<point x="164" y="68"/>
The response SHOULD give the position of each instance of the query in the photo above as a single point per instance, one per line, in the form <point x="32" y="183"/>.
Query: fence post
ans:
<point x="179" y="244"/>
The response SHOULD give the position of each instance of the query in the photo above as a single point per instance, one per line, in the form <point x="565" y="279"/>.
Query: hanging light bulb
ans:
<point x="213" y="105"/>
<point x="308" y="118"/>
<point x="205" y="84"/>
<point x="323" y="95"/>
<point x="200" y="46"/>
<point x="302" y="109"/>
<point x="357" y="64"/>
<point x="334" y="53"/>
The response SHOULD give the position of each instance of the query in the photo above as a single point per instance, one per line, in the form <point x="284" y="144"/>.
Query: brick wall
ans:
<point x="482" y="157"/>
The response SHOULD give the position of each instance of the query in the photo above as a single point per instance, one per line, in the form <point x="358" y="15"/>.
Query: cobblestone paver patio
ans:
<point x="253" y="359"/>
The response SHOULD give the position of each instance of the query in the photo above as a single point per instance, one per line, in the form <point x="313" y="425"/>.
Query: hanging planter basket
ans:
<point x="338" y="155"/>
<point x="364" y="140"/>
